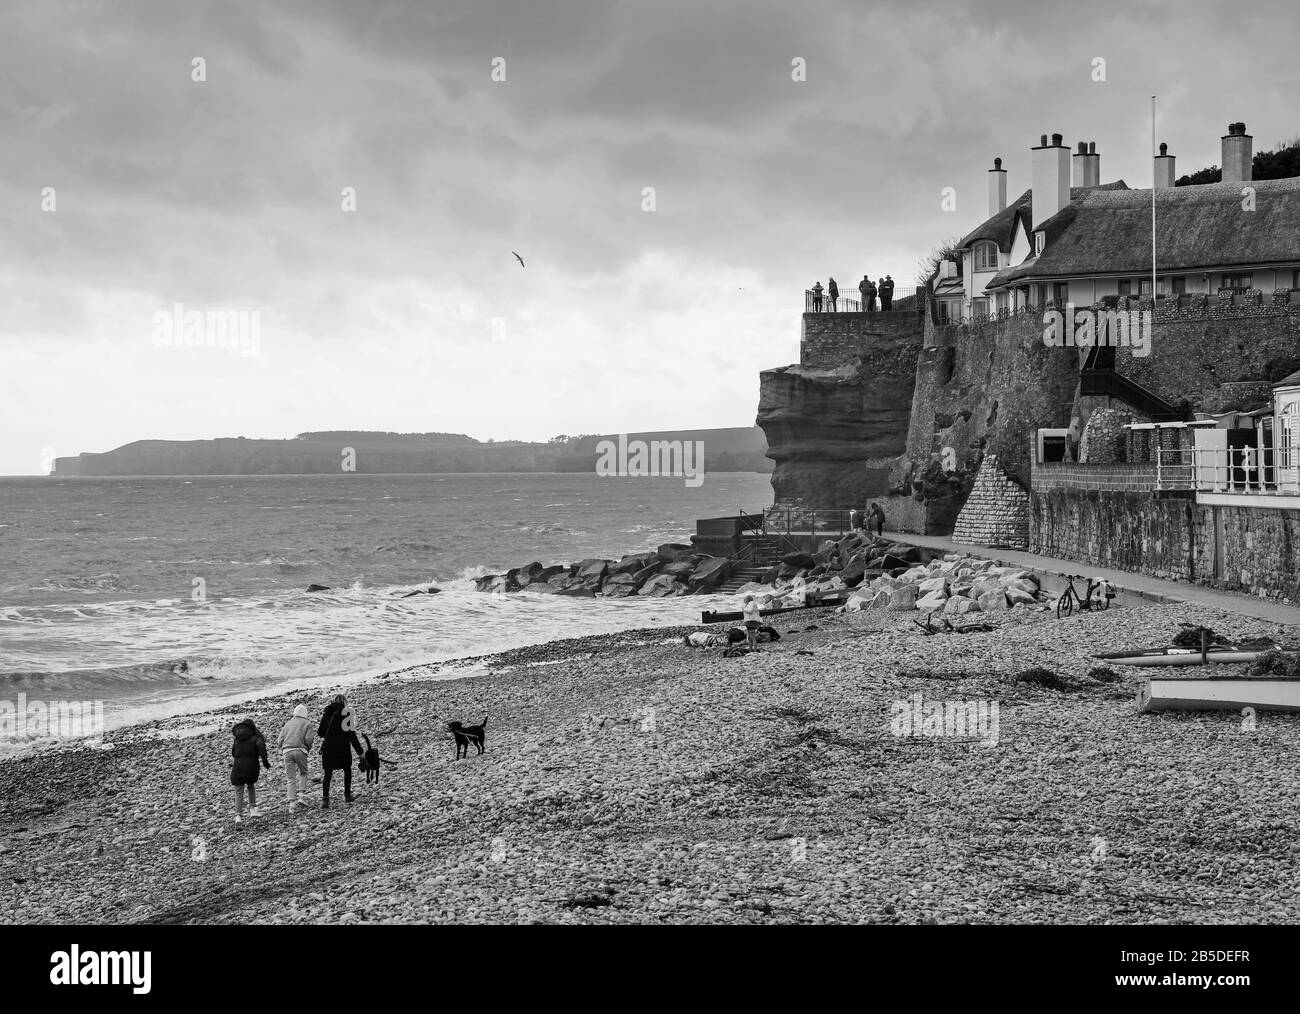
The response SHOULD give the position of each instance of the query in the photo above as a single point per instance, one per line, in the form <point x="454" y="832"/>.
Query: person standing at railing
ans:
<point x="864" y="287"/>
<point x="869" y="297"/>
<point x="878" y="516"/>
<point x="887" y="294"/>
<point x="817" y="297"/>
<point x="833" y="291"/>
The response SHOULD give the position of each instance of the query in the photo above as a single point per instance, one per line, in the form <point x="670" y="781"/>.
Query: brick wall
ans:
<point x="1139" y="477"/>
<point x="828" y="340"/>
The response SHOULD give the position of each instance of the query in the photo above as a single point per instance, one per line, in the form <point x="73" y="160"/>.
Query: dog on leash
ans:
<point x="467" y="735"/>
<point x="370" y="761"/>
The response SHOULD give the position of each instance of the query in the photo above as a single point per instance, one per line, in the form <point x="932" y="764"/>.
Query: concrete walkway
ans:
<point x="1130" y="586"/>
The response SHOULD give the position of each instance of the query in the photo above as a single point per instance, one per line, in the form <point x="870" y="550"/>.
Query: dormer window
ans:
<point x="1040" y="240"/>
<point x="986" y="256"/>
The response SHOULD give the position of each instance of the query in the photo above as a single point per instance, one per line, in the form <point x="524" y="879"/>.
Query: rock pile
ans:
<point x="672" y="569"/>
<point x="954" y="585"/>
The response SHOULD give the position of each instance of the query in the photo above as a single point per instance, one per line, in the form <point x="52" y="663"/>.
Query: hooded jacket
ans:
<point x="248" y="749"/>
<point x="297" y="733"/>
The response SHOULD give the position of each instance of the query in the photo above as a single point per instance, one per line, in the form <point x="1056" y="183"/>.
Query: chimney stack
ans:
<point x="1094" y="165"/>
<point x="1237" y="157"/>
<point x="1050" y="164"/>
<point x="997" y="188"/>
<point x="1164" y="168"/>
<point x="1080" y="160"/>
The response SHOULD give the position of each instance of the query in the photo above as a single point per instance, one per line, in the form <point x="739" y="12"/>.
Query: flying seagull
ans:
<point x="519" y="259"/>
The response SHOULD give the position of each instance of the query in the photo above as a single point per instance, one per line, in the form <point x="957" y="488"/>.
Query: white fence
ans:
<point x="1225" y="470"/>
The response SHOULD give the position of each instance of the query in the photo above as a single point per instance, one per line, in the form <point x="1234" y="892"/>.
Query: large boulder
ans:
<point x="671" y="552"/>
<point x="902" y="599"/>
<point x="932" y="600"/>
<point x="993" y="601"/>
<point x="491" y="583"/>
<point x="710" y="573"/>
<point x="680" y="569"/>
<point x="800" y="561"/>
<point x="1017" y="597"/>
<point x="645" y="574"/>
<point x="618" y="586"/>
<point x="631" y="564"/>
<point x="934" y="584"/>
<point x="854" y="571"/>
<point x="959" y="607"/>
<point x="659" y="586"/>
<point x="580" y="589"/>
<point x="592" y="569"/>
<point x="546" y="573"/>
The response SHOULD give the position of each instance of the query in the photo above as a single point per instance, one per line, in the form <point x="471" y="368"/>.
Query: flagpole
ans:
<point x="1153" y="203"/>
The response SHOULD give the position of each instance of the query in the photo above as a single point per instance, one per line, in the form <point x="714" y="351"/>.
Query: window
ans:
<point x="1002" y="301"/>
<point x="986" y="256"/>
<point x="980" y="307"/>
<point x="1295" y="279"/>
<point x="1180" y="285"/>
<point x="1061" y="293"/>
<point x="1144" y="286"/>
<point x="1237" y="283"/>
<point x="1125" y="287"/>
<point x="1040" y="241"/>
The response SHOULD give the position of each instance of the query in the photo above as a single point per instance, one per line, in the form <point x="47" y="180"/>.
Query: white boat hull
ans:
<point x="1175" y="694"/>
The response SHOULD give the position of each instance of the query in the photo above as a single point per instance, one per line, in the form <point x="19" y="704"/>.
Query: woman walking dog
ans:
<point x="338" y="732"/>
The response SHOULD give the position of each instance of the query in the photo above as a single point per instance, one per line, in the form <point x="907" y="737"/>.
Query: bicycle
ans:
<point x="1095" y="599"/>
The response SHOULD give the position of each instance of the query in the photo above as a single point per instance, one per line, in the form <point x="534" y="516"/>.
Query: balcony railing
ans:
<point x="1225" y="470"/>
<point x="850" y="301"/>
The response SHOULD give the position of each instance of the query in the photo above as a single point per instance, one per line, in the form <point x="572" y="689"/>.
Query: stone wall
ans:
<point x="1208" y="341"/>
<point x="1125" y="530"/>
<point x="1259" y="550"/>
<point x="1103" y="440"/>
<point x="997" y="511"/>
<point x="828" y="340"/>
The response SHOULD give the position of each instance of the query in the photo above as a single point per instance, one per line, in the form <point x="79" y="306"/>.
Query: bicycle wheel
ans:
<point x="1065" y="604"/>
<point x="1103" y="600"/>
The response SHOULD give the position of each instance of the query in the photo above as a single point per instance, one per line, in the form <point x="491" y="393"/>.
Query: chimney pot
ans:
<point x="1083" y="147"/>
<point x="1164" y="148"/>
<point x="997" y="163"/>
<point x="1056" y="139"/>
<point x="1042" y="141"/>
<point x="1092" y="147"/>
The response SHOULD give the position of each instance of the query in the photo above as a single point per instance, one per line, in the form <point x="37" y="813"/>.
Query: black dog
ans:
<point x="370" y="760"/>
<point x="467" y="734"/>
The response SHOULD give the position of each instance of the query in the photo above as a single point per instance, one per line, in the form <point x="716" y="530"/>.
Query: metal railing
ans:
<point x="1225" y="470"/>
<point x="850" y="301"/>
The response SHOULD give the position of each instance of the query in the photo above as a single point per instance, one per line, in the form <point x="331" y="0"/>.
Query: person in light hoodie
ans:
<point x="295" y="744"/>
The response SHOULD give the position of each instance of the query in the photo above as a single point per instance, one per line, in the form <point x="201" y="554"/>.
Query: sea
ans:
<point x="154" y="597"/>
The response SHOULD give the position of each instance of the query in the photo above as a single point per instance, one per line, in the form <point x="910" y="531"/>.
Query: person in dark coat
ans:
<point x="878" y="515"/>
<point x="249" y="747"/>
<point x="869" y="296"/>
<point x="887" y="294"/>
<point x="338" y="732"/>
<point x="863" y="286"/>
<point x="817" y="297"/>
<point x="833" y="291"/>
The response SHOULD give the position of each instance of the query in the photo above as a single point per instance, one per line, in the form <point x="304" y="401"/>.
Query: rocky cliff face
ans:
<point x="836" y="432"/>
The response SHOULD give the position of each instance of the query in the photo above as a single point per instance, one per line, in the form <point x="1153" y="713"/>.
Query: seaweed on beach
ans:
<point x="1276" y="663"/>
<point x="1190" y="636"/>
<point x="1038" y="676"/>
<point x="1104" y="674"/>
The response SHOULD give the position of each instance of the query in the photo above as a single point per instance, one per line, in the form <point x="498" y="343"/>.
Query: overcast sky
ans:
<point x="410" y="313"/>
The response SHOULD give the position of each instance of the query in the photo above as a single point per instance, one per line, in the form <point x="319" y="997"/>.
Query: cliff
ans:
<point x="386" y="453"/>
<point x="837" y="423"/>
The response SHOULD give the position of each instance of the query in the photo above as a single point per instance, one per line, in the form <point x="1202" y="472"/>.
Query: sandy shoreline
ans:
<point x="631" y="780"/>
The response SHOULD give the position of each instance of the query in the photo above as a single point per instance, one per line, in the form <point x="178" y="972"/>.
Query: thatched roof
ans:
<point x="1197" y="228"/>
<point x="1001" y="228"/>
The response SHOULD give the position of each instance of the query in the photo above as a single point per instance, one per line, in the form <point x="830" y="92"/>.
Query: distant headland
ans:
<point x="734" y="449"/>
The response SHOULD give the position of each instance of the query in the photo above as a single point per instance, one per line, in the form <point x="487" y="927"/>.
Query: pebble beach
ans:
<point x="629" y="779"/>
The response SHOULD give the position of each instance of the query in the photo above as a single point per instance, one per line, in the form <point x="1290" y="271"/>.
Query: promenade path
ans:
<point x="1141" y="586"/>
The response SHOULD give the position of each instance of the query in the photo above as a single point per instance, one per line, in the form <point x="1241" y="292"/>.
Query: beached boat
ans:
<point x="1223" y="655"/>
<point x="1173" y="693"/>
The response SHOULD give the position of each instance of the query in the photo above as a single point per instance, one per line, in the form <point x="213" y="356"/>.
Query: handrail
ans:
<point x="1225" y="469"/>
